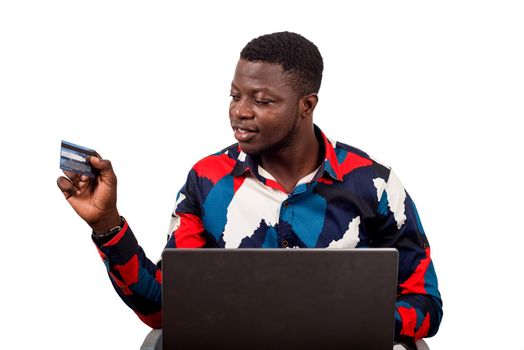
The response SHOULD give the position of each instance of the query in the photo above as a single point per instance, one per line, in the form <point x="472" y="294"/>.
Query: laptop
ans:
<point x="279" y="298"/>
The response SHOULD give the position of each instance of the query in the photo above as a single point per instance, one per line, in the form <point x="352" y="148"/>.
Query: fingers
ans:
<point x="71" y="176"/>
<point x="67" y="187"/>
<point x="73" y="184"/>
<point x="78" y="180"/>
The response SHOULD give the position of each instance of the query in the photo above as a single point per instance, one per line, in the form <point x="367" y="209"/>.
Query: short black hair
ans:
<point x="297" y="55"/>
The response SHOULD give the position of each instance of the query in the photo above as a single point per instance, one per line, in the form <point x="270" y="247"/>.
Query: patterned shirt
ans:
<point x="229" y="201"/>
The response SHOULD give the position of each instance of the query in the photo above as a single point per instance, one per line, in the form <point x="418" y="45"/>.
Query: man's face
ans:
<point x="264" y="111"/>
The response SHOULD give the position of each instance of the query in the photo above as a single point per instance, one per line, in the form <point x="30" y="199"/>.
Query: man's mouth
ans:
<point x="244" y="135"/>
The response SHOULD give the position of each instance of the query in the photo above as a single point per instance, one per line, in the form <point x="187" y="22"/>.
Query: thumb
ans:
<point x="104" y="167"/>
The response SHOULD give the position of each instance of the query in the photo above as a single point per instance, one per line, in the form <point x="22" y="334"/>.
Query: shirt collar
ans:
<point x="330" y="166"/>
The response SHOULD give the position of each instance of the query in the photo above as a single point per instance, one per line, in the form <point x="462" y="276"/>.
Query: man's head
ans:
<point x="273" y="94"/>
<point x="299" y="58"/>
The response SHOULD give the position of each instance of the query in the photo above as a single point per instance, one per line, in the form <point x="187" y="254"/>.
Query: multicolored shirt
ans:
<point x="229" y="201"/>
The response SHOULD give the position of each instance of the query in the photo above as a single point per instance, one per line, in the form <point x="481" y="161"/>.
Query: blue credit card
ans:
<point x="74" y="158"/>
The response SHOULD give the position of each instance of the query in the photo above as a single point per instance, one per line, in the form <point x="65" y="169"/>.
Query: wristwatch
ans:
<point x="112" y="231"/>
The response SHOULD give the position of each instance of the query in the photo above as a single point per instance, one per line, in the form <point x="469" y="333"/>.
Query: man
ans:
<point x="284" y="184"/>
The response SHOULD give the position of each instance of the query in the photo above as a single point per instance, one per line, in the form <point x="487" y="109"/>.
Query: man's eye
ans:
<point x="235" y="97"/>
<point x="262" y="102"/>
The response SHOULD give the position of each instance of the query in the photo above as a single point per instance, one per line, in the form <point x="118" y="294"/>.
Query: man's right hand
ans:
<point x="94" y="200"/>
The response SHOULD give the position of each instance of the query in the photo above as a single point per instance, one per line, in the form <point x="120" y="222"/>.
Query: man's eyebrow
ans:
<point x="263" y="89"/>
<point x="255" y="89"/>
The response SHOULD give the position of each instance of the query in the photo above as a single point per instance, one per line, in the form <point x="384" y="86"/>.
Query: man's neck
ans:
<point x="290" y="164"/>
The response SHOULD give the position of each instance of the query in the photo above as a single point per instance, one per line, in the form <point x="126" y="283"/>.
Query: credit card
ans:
<point x="74" y="158"/>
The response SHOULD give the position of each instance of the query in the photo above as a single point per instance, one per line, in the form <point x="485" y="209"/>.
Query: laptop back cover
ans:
<point x="279" y="298"/>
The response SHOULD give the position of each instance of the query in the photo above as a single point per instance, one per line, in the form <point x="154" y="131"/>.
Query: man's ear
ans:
<point x="307" y="104"/>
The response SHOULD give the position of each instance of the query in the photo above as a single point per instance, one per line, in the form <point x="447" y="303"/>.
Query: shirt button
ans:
<point x="284" y="243"/>
<point x="286" y="204"/>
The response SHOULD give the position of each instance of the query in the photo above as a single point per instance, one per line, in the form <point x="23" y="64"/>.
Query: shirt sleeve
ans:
<point x="136" y="279"/>
<point x="418" y="309"/>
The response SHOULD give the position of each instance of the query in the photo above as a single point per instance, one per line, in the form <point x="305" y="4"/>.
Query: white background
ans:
<point x="434" y="89"/>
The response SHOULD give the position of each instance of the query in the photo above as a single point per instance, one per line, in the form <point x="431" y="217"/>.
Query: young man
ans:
<point x="284" y="184"/>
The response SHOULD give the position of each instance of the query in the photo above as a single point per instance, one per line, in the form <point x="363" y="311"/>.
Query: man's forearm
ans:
<point x="135" y="278"/>
<point x="417" y="316"/>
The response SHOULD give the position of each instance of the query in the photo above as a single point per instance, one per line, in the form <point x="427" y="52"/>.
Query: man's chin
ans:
<point x="249" y="149"/>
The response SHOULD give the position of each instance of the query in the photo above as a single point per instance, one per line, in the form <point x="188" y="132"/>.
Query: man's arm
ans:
<point x="136" y="279"/>
<point x="397" y="224"/>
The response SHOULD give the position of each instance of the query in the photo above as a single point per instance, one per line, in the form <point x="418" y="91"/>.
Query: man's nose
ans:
<point x="242" y="109"/>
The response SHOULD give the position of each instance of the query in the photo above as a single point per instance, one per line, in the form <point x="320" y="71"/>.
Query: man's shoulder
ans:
<point x="215" y="166"/>
<point x="343" y="148"/>
<point x="347" y="153"/>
